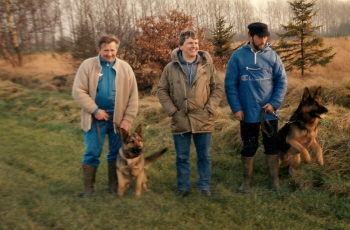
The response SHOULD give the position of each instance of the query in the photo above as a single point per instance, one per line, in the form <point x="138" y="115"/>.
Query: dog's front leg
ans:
<point x="319" y="153"/>
<point x="139" y="182"/>
<point x="121" y="183"/>
<point x="144" y="182"/>
<point x="306" y="155"/>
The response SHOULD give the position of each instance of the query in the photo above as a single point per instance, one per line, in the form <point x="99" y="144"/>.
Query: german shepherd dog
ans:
<point x="131" y="163"/>
<point x="300" y="132"/>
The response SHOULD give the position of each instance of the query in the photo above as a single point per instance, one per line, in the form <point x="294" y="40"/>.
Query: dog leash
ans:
<point x="265" y="123"/>
<point x="99" y="132"/>
<point x="285" y="122"/>
<point x="116" y="125"/>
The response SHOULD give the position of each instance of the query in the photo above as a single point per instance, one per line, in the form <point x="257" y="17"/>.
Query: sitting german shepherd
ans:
<point x="131" y="162"/>
<point x="300" y="132"/>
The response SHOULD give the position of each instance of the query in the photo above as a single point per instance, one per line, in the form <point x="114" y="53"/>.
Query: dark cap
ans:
<point x="259" y="29"/>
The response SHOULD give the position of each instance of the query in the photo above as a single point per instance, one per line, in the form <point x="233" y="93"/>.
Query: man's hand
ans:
<point x="125" y="125"/>
<point x="101" y="115"/>
<point x="239" y="115"/>
<point x="268" y="108"/>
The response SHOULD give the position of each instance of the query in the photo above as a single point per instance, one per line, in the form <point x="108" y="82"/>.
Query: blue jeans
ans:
<point x="94" y="139"/>
<point x="202" y="143"/>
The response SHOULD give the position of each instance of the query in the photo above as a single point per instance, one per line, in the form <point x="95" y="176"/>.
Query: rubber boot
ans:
<point x="248" y="167"/>
<point x="112" y="177"/>
<point x="89" y="173"/>
<point x="273" y="164"/>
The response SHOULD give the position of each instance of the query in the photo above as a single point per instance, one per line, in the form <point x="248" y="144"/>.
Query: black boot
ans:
<point x="112" y="177"/>
<point x="89" y="174"/>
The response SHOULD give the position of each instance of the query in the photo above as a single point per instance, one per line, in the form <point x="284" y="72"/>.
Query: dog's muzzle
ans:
<point x="136" y="151"/>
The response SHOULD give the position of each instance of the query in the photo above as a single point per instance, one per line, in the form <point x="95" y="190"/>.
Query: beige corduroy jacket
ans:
<point x="85" y="86"/>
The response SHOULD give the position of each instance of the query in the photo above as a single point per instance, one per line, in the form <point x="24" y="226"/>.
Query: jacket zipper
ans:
<point x="255" y="69"/>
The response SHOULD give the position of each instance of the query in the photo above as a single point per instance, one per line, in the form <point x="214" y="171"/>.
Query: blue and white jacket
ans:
<point x="254" y="79"/>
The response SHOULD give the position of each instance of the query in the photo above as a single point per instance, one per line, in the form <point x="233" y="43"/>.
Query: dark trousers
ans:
<point x="250" y="138"/>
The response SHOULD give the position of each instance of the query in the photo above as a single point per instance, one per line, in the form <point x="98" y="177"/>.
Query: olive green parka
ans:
<point x="191" y="107"/>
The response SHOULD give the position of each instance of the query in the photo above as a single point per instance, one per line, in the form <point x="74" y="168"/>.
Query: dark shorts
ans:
<point x="250" y="138"/>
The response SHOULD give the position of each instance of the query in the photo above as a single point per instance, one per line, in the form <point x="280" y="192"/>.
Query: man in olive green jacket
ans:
<point x="190" y="91"/>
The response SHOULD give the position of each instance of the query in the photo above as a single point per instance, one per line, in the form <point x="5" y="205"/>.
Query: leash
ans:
<point x="284" y="122"/>
<point x="99" y="132"/>
<point x="116" y="125"/>
<point x="265" y="124"/>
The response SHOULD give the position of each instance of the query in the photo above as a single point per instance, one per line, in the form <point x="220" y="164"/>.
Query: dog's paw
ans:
<point x="307" y="158"/>
<point x="320" y="162"/>
<point x="137" y="195"/>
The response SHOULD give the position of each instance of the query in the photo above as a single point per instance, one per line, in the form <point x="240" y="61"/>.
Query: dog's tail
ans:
<point x="154" y="156"/>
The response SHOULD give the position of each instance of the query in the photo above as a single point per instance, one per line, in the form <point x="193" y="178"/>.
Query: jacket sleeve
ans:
<point x="163" y="93"/>
<point x="232" y="85"/>
<point x="132" y="106"/>
<point x="216" y="91"/>
<point x="280" y="84"/>
<point x="80" y="90"/>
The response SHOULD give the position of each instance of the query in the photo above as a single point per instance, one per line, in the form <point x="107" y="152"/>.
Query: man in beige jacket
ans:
<point x="190" y="91"/>
<point x="105" y="87"/>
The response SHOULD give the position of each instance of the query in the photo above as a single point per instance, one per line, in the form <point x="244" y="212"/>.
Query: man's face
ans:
<point x="256" y="42"/>
<point x="108" y="51"/>
<point x="190" y="48"/>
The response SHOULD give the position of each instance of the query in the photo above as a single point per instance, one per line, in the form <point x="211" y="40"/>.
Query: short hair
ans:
<point x="107" y="38"/>
<point x="185" y="34"/>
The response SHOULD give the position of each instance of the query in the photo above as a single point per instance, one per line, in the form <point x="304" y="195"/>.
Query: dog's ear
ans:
<point x="317" y="94"/>
<point x="139" y="130"/>
<point x="306" y="95"/>
<point x="123" y="134"/>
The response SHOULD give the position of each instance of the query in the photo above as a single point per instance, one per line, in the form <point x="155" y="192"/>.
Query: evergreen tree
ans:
<point x="222" y="38"/>
<point x="305" y="50"/>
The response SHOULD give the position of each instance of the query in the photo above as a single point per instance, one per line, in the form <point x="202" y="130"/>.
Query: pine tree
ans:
<point x="304" y="51"/>
<point x="222" y="38"/>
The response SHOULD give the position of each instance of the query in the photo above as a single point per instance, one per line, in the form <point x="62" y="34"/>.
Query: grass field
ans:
<point x="41" y="146"/>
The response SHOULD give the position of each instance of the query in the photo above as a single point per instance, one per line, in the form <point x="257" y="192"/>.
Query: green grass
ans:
<point x="40" y="177"/>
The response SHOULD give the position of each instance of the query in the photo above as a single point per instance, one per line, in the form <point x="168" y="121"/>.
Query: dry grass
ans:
<point x="335" y="127"/>
<point x="40" y="71"/>
<point x="43" y="153"/>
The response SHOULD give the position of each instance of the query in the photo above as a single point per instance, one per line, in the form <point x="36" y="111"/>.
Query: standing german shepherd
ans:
<point x="300" y="132"/>
<point x="131" y="162"/>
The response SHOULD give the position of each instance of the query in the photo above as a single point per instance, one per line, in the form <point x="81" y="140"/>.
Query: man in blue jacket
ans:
<point x="255" y="86"/>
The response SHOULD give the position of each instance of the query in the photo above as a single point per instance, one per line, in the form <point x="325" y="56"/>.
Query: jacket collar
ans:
<point x="203" y="56"/>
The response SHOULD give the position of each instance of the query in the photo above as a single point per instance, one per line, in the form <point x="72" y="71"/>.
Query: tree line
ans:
<point x="148" y="29"/>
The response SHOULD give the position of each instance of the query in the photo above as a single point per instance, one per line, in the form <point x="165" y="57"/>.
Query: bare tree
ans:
<point x="276" y="14"/>
<point x="15" y="15"/>
<point x="39" y="24"/>
<point x="242" y="15"/>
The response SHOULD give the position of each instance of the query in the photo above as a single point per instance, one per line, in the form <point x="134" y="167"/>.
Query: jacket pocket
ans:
<point x="180" y="122"/>
<point x="256" y="73"/>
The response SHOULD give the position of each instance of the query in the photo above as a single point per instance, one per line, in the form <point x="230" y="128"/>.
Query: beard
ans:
<point x="258" y="47"/>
